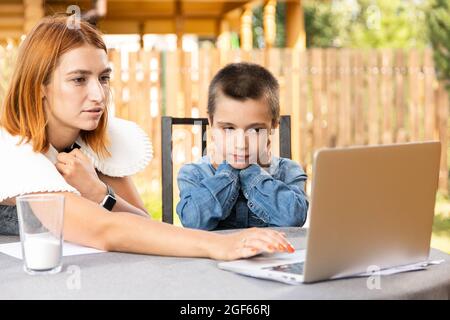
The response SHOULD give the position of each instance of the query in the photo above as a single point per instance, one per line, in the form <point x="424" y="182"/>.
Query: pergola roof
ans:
<point x="201" y="17"/>
<point x="156" y="8"/>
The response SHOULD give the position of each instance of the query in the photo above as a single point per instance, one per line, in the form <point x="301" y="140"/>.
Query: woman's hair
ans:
<point x="23" y="111"/>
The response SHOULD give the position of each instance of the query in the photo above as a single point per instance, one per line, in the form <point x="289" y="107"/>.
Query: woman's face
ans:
<point x="76" y="94"/>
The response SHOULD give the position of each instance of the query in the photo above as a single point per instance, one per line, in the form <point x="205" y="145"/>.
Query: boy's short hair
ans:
<point x="242" y="81"/>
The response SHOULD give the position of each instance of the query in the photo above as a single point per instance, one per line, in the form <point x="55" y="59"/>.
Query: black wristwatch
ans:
<point x="110" y="199"/>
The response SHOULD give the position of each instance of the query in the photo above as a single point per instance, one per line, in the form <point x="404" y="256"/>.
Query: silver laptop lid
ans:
<point x="371" y="205"/>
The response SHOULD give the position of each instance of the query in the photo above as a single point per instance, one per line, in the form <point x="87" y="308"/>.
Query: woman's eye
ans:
<point x="228" y="129"/>
<point x="105" y="79"/>
<point x="79" y="80"/>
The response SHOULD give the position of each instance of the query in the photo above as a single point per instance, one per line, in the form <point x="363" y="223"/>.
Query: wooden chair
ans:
<point x="167" y="124"/>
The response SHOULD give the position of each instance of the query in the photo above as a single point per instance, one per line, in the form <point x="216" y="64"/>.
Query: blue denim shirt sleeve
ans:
<point x="204" y="202"/>
<point x="277" y="202"/>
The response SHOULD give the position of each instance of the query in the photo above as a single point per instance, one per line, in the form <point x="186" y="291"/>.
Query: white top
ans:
<point x="23" y="171"/>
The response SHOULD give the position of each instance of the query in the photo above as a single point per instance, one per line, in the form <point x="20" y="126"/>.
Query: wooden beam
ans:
<point x="12" y="22"/>
<point x="8" y="9"/>
<point x="179" y="24"/>
<point x="10" y="33"/>
<point x="34" y="11"/>
<point x="119" y="26"/>
<point x="204" y="27"/>
<point x="159" y="26"/>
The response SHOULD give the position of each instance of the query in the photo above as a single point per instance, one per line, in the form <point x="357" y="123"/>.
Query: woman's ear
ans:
<point x="43" y="92"/>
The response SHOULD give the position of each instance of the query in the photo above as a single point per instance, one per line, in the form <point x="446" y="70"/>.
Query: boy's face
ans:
<point x="241" y="132"/>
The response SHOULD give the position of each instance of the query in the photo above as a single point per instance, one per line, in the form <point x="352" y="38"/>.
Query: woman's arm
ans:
<point x="79" y="172"/>
<point x="127" y="196"/>
<point x="88" y="224"/>
<point x="8" y="202"/>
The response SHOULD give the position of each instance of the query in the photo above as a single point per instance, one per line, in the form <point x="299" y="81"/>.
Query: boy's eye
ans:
<point x="253" y="130"/>
<point x="228" y="129"/>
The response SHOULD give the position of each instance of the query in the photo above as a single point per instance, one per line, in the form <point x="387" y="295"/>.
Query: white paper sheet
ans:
<point x="14" y="249"/>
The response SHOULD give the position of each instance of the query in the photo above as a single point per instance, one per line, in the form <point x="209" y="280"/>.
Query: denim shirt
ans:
<point x="228" y="198"/>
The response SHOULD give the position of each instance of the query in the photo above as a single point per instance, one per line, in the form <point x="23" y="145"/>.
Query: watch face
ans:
<point x="109" y="203"/>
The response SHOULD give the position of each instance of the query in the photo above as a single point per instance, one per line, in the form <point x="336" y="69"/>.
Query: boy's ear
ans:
<point x="275" y="124"/>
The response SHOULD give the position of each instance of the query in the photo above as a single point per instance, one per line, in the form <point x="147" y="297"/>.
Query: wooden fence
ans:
<point x="336" y="97"/>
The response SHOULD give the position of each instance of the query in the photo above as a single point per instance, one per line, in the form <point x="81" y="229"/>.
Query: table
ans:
<point x="132" y="276"/>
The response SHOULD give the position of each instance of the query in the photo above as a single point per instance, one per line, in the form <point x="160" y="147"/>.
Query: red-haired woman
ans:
<point x="57" y="100"/>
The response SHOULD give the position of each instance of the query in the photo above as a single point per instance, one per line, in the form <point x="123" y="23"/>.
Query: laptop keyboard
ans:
<point x="295" y="268"/>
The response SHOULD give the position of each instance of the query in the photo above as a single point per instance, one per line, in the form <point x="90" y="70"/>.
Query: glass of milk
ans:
<point x="41" y="225"/>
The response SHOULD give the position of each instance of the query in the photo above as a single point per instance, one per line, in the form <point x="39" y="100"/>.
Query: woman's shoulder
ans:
<point x="14" y="147"/>
<point x="7" y="139"/>
<point x="24" y="171"/>
<point x="130" y="148"/>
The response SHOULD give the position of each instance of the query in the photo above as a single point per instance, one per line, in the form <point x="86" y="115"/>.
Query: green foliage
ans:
<point x="321" y="24"/>
<point x="389" y="24"/>
<point x="438" y="18"/>
<point x="366" y="23"/>
<point x="153" y="204"/>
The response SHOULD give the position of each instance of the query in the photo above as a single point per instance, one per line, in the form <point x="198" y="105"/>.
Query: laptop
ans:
<point x="370" y="206"/>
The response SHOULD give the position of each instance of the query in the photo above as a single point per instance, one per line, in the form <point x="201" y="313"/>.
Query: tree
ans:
<point x="366" y="23"/>
<point x="322" y="25"/>
<point x="389" y="24"/>
<point x="438" y="18"/>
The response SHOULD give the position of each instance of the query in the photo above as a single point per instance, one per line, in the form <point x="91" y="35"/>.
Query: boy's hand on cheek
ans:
<point x="265" y="156"/>
<point x="215" y="156"/>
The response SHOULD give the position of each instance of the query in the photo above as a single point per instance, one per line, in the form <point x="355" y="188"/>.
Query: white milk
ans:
<point x="42" y="251"/>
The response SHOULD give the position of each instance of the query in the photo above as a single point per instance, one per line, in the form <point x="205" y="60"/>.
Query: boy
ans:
<point x="241" y="185"/>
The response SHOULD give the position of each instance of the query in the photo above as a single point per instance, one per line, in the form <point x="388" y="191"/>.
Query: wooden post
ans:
<point x="443" y="102"/>
<point x="429" y="106"/>
<point x="179" y="25"/>
<point x="246" y="29"/>
<point x="413" y="65"/>
<point x="295" y="25"/>
<point x="33" y="11"/>
<point x="270" y="26"/>
<point x="224" y="39"/>
<point x="373" y="93"/>
<point x="400" y="100"/>
<point x="386" y="95"/>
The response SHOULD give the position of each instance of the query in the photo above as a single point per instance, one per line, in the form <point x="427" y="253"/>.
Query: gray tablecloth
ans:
<point x="131" y="276"/>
